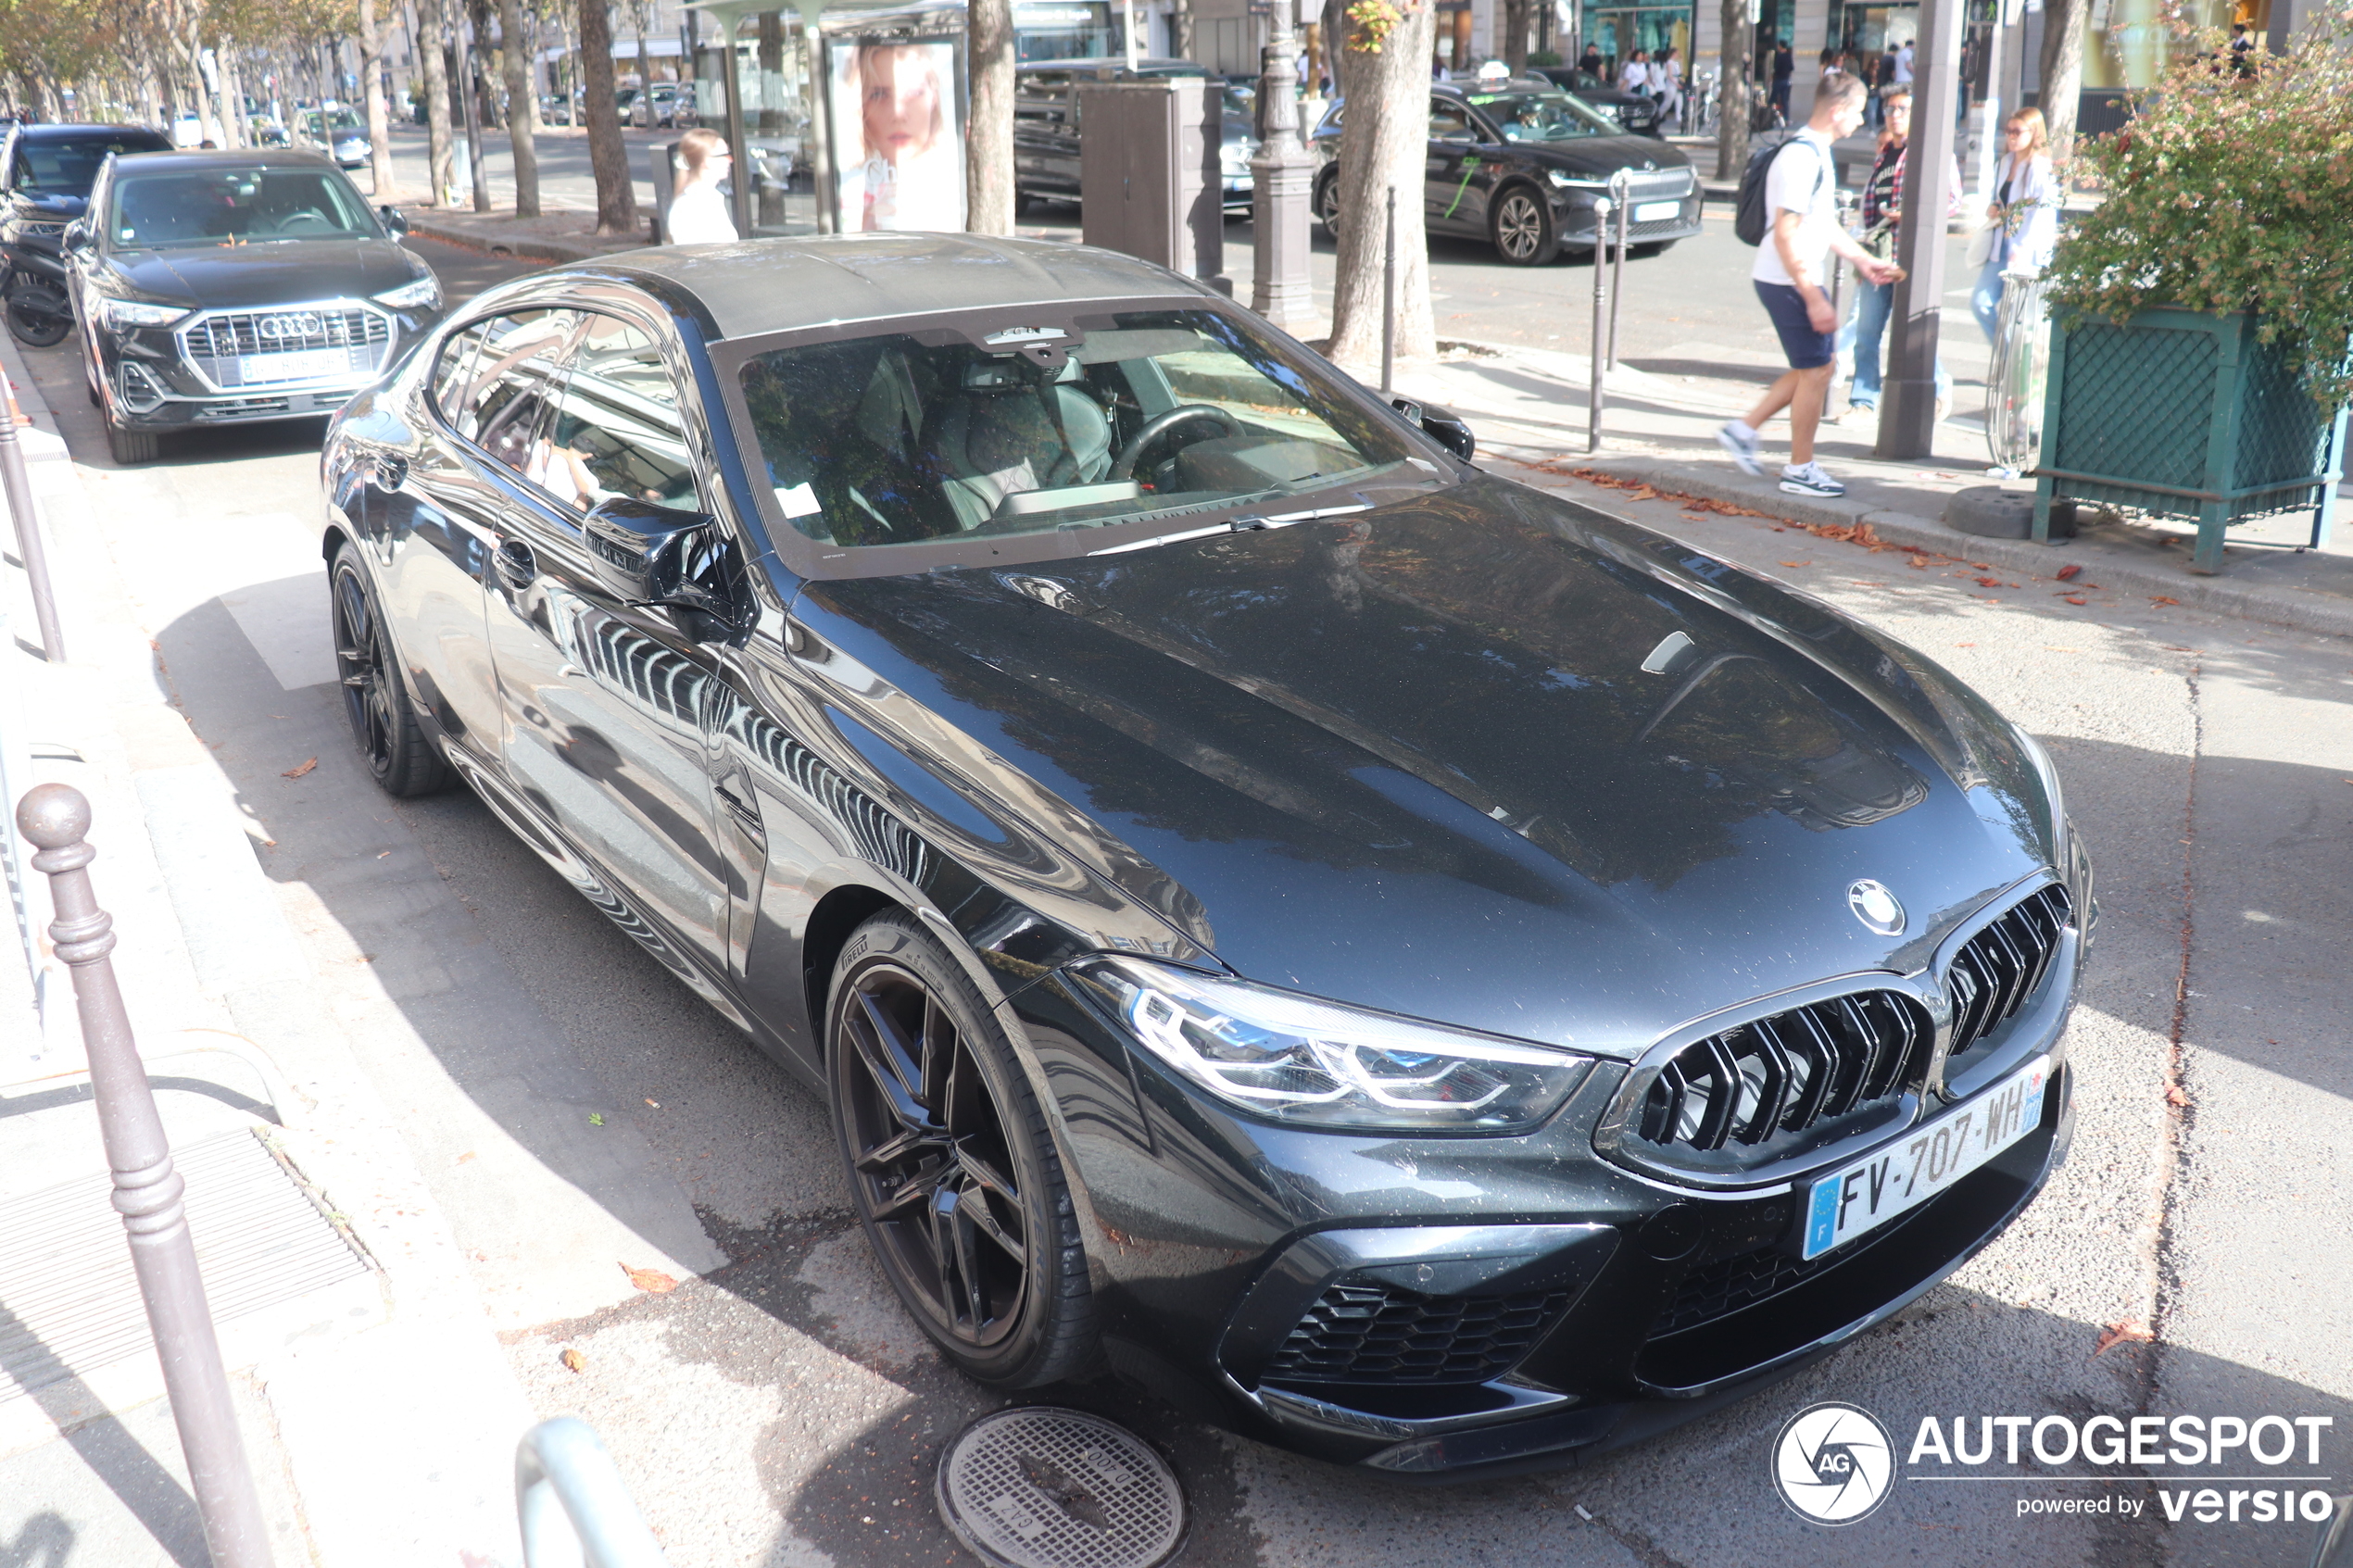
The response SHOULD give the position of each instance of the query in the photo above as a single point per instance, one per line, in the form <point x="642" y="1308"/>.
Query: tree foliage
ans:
<point x="2232" y="188"/>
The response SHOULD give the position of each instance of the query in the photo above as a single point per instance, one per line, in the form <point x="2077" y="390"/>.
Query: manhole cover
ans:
<point x="1038" y="1486"/>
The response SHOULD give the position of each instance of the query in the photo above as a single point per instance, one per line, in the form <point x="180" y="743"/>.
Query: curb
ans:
<point x="2215" y="596"/>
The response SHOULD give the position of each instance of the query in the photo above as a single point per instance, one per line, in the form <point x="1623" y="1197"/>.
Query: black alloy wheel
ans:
<point x="950" y="1164"/>
<point x="1521" y="225"/>
<point x="1328" y="203"/>
<point x="383" y="725"/>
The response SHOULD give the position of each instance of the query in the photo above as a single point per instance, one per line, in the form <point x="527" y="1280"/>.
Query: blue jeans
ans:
<point x="1873" y="304"/>
<point x="1986" y="299"/>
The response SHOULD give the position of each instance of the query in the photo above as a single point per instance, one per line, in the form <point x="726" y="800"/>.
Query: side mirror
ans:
<point x="395" y="220"/>
<point x="77" y="236"/>
<point x="649" y="554"/>
<point x="1444" y="426"/>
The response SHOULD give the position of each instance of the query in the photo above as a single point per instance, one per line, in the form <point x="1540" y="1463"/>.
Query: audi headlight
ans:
<point x="1296" y="1059"/>
<point x="121" y="313"/>
<point x="422" y="294"/>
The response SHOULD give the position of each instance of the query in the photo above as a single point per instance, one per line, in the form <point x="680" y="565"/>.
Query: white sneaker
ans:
<point x="1809" y="479"/>
<point x="1741" y="442"/>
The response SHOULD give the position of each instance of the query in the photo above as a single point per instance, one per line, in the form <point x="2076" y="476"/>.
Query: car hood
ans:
<point x="1413" y="759"/>
<point x="51" y="206"/>
<point x="1606" y="154"/>
<point x="277" y="272"/>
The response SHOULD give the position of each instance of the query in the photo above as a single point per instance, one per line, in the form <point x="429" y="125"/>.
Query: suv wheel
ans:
<point x="1521" y="225"/>
<point x="951" y="1167"/>
<point x="1328" y="203"/>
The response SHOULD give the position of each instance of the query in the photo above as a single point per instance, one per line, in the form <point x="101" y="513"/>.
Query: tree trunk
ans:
<point x="1180" y="29"/>
<point x="371" y="95"/>
<point x="645" y="103"/>
<point x="1735" y="83"/>
<point x="1384" y="145"/>
<point x="608" y="155"/>
<point x="989" y="145"/>
<point x="432" y="58"/>
<point x="1515" y="24"/>
<point x="2061" y="73"/>
<point x="516" y="52"/>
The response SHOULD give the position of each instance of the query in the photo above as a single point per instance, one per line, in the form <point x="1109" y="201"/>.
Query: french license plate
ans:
<point x="307" y="364"/>
<point x="1908" y="1172"/>
<point x="1650" y="212"/>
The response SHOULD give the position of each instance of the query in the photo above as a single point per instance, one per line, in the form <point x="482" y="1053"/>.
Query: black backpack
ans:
<point x="1751" y="222"/>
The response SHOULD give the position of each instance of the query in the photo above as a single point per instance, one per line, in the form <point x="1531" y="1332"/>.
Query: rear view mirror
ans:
<point x="649" y="554"/>
<point x="1444" y="426"/>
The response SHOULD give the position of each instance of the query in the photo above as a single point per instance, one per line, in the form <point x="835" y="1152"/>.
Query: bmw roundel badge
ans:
<point x="1876" y="907"/>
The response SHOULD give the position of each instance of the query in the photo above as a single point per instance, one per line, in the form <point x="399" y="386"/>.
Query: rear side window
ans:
<point x="509" y="385"/>
<point x="449" y="371"/>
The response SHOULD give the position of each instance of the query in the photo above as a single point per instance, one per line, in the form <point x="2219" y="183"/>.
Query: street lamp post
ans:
<point x="1282" y="176"/>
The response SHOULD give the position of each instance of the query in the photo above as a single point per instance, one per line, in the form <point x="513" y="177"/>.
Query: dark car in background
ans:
<point x="234" y="287"/>
<point x="1046" y="126"/>
<point x="1404" y="964"/>
<point x="45" y="175"/>
<point x="1521" y="164"/>
<point x="1632" y="111"/>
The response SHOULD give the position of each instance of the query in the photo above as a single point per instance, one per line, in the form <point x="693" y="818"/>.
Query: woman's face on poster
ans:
<point x="902" y="103"/>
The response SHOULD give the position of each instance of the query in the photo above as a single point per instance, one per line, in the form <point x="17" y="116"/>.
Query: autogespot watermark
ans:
<point x="1835" y="1464"/>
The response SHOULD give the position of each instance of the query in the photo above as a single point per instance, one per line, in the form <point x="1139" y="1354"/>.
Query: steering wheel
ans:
<point x="305" y="221"/>
<point x="1123" y="467"/>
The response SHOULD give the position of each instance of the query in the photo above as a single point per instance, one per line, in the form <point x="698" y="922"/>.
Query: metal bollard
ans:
<point x="1601" y="328"/>
<point x="146" y="1189"/>
<point x="1388" y="298"/>
<point x="572" y="1505"/>
<point x="29" y="548"/>
<point x="1620" y="184"/>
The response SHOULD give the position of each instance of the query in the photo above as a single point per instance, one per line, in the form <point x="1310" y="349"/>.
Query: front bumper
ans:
<point x="1573" y="219"/>
<point x="1440" y="1309"/>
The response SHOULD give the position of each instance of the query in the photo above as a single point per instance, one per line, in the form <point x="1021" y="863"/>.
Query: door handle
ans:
<point x="517" y="566"/>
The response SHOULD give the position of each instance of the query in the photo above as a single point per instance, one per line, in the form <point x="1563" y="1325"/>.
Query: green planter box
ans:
<point x="2184" y="414"/>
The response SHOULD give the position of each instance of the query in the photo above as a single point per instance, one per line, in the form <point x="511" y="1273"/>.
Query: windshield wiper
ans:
<point x="1248" y="525"/>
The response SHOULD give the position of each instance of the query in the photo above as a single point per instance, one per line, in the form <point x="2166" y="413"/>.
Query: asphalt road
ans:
<point x="778" y="1409"/>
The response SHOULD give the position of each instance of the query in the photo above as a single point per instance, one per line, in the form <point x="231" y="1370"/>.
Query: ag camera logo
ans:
<point x="1834" y="1463"/>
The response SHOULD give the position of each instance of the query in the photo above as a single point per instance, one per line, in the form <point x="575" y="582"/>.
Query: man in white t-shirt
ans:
<point x="1792" y="277"/>
<point x="1904" y="65"/>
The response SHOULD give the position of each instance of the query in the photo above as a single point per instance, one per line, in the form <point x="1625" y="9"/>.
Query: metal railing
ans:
<point x="572" y="1505"/>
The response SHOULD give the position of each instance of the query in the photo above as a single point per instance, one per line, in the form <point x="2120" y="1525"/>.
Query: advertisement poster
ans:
<point x="897" y="137"/>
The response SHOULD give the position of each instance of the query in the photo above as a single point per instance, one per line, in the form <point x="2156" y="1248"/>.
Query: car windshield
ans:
<point x="67" y="168"/>
<point x="1541" y="117"/>
<point x="221" y="206"/>
<point x="323" y="121"/>
<point x="930" y="435"/>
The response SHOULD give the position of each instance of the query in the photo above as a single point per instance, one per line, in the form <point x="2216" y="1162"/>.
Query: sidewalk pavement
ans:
<point x="379" y="1410"/>
<point x="558" y="234"/>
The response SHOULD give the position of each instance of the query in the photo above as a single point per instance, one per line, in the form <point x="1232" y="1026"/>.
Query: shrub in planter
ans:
<point x="2230" y="195"/>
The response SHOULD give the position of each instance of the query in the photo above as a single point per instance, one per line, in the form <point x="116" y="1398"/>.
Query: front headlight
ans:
<point x="423" y="294"/>
<point x="1565" y="181"/>
<point x="121" y="313"/>
<point x="1315" y="1063"/>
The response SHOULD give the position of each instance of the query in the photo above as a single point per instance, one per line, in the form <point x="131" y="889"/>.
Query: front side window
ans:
<point x="916" y="436"/>
<point x="229" y="206"/>
<point x="1541" y="117"/>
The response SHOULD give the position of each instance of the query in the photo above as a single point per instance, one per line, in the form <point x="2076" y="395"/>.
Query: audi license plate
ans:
<point x="1907" y="1173"/>
<point x="1650" y="212"/>
<point x="307" y="364"/>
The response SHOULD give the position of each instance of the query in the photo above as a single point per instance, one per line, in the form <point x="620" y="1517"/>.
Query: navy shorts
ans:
<point x="1806" y="348"/>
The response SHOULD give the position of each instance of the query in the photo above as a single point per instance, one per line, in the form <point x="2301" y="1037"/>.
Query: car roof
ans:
<point x="79" y="131"/>
<point x="224" y="158"/>
<point x="751" y="287"/>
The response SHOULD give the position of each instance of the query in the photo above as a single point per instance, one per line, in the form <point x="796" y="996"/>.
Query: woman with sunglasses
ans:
<point x="2024" y="213"/>
<point x="698" y="212"/>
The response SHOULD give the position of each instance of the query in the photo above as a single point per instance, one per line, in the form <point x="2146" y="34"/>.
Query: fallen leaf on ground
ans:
<point x="651" y="1281"/>
<point x="2119" y="1334"/>
<point x="463" y="1158"/>
<point x="596" y="1119"/>
<point x="2162" y="599"/>
<point x="1989" y="582"/>
<point x="2067" y="573"/>
<point x="2076" y="599"/>
<point x="2177" y="1096"/>
<point x="297" y="772"/>
<point x="1792" y="563"/>
<point x="573" y="1361"/>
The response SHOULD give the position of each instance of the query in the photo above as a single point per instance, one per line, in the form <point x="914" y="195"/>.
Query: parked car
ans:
<point x="666" y="98"/>
<point x="1046" y="126"/>
<point x="1521" y="165"/>
<point x="335" y="132"/>
<point x="555" y="108"/>
<point x="1632" y="111"/>
<point x="45" y="175"/>
<point x="1412" y="965"/>
<point x="235" y="287"/>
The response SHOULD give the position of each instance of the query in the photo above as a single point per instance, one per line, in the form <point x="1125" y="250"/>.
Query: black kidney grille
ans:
<point x="2002" y="966"/>
<point x="1786" y="1072"/>
<point x="1376" y="1334"/>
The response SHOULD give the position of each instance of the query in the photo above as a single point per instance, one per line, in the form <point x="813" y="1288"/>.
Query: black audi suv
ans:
<point x="236" y="287"/>
<point x="1521" y="165"/>
<point x="1407" y="966"/>
<point x="45" y="175"/>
